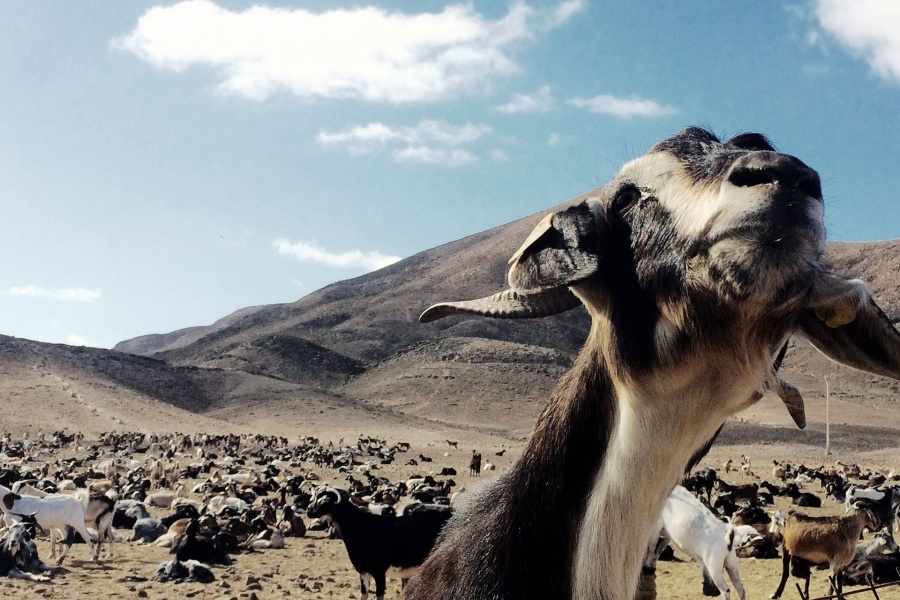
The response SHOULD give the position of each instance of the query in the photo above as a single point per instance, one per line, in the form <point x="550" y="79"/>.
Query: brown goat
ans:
<point x="818" y="540"/>
<point x="737" y="493"/>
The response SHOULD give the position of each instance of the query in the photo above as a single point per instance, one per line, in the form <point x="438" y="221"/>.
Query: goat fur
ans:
<point x="696" y="263"/>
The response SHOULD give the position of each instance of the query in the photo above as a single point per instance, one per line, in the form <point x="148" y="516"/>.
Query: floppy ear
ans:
<point x="844" y="323"/>
<point x="563" y="249"/>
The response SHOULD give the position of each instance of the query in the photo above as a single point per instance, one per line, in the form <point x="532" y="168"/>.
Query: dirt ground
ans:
<point x="315" y="567"/>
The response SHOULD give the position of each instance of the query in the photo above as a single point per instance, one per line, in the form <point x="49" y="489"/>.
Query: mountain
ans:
<point x="356" y="349"/>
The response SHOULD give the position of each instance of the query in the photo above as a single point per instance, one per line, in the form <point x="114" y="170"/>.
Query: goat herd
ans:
<point x="210" y="498"/>
<point x="217" y="497"/>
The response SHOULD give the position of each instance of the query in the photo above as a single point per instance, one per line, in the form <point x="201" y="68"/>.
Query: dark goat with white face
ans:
<point x="696" y="264"/>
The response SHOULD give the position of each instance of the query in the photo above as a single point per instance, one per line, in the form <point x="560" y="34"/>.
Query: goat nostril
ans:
<point x="749" y="177"/>
<point x="811" y="185"/>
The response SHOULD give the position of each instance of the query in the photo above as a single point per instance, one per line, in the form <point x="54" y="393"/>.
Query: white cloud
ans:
<point x="624" y="108"/>
<point x="66" y="294"/>
<point x="76" y="340"/>
<point x="870" y="28"/>
<point x="542" y="101"/>
<point x="433" y="156"/>
<point x="564" y="12"/>
<point x="499" y="155"/>
<point x="431" y="142"/>
<point x="352" y="259"/>
<point x="553" y="140"/>
<point x="364" y="53"/>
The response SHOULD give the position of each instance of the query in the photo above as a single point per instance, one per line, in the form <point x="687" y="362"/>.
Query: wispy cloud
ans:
<point x="624" y="108"/>
<point x="430" y="142"/>
<point x="433" y="156"/>
<point x="499" y="155"/>
<point x="364" y="53"/>
<point x="542" y="101"/>
<point x="65" y="294"/>
<point x="869" y="28"/>
<point x="352" y="259"/>
<point x="563" y="13"/>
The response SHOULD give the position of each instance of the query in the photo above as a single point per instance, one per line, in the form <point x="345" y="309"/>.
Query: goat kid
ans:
<point x="696" y="263"/>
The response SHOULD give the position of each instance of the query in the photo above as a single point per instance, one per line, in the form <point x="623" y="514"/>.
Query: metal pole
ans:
<point x="827" y="420"/>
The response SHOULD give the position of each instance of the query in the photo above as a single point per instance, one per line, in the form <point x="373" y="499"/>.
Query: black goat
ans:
<point x="703" y="480"/>
<point x="194" y="545"/>
<point x="377" y="542"/>
<point x="885" y="508"/>
<point x="18" y="552"/>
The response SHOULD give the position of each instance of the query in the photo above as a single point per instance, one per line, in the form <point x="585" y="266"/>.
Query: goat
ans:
<point x="63" y="513"/>
<point x="189" y="570"/>
<point x="18" y="552"/>
<point x="736" y="493"/>
<point x="475" y="464"/>
<point x="696" y="263"/>
<point x="703" y="537"/>
<point x="99" y="511"/>
<point x="376" y="542"/>
<point x="884" y="503"/>
<point x="702" y="481"/>
<point x="819" y="540"/>
<point x="880" y="568"/>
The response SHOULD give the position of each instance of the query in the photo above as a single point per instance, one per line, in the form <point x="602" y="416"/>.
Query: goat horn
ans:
<point x="792" y="400"/>
<point x="507" y="304"/>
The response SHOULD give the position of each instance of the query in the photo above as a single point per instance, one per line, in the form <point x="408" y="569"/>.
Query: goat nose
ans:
<point x="783" y="170"/>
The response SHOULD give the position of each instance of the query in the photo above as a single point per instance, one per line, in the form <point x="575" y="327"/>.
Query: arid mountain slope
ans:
<point x="355" y="349"/>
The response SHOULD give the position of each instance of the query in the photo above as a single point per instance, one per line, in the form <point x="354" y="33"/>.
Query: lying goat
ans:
<point x="18" y="553"/>
<point x="696" y="264"/>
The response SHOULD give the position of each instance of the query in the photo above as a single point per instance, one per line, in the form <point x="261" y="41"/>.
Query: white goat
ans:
<point x="696" y="264"/>
<point x="51" y="512"/>
<point x="165" y="498"/>
<point x="701" y="535"/>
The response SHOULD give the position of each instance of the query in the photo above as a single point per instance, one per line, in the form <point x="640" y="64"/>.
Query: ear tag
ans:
<point x="543" y="227"/>
<point x="838" y="314"/>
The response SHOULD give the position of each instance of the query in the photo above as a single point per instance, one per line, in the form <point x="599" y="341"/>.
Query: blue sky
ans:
<point x="164" y="164"/>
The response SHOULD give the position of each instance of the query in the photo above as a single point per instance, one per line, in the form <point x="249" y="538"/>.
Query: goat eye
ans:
<point x="625" y="198"/>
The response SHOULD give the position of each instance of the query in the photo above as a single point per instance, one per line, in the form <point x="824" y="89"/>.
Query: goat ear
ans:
<point x="562" y="250"/>
<point x="844" y="323"/>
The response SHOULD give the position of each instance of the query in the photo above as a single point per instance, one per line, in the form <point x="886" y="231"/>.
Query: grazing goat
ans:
<point x="62" y="513"/>
<point x="696" y="264"/>
<point x="707" y="540"/>
<point x="377" y="542"/>
<point x="820" y="540"/>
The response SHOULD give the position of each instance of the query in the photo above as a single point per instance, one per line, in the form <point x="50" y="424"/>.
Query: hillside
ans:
<point x="353" y="352"/>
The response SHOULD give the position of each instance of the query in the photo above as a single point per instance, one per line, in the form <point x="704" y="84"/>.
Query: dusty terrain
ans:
<point x="318" y="568"/>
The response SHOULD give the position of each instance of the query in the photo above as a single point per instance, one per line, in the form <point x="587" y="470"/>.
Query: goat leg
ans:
<point x="380" y="584"/>
<point x="786" y="562"/>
